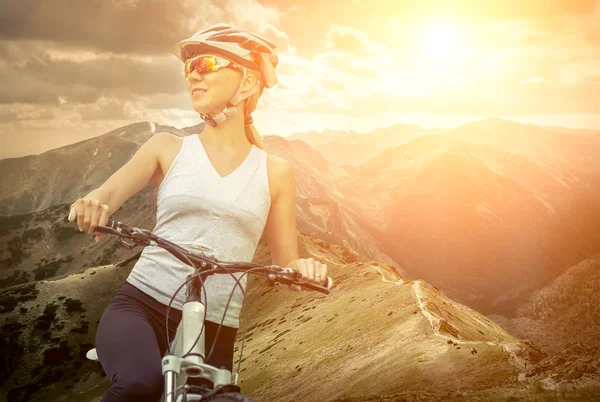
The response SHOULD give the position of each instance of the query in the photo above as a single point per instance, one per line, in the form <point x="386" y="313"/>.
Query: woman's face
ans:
<point x="210" y="91"/>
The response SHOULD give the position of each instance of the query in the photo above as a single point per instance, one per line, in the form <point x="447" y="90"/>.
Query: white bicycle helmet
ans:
<point x="242" y="46"/>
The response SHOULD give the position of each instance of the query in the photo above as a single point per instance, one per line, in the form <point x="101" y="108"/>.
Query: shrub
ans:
<point x="45" y="320"/>
<point x="9" y="223"/>
<point x="26" y="292"/>
<point x="16" y="278"/>
<point x="33" y="234"/>
<point x="83" y="329"/>
<point x="58" y="355"/>
<point x="7" y="303"/>
<point x="15" y="249"/>
<point x="64" y="233"/>
<point x="46" y="271"/>
<point x="74" y="305"/>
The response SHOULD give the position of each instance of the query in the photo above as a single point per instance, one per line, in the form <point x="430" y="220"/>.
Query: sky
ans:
<point x="72" y="70"/>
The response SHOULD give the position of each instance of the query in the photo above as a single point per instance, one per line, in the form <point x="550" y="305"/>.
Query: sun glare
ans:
<point x="440" y="42"/>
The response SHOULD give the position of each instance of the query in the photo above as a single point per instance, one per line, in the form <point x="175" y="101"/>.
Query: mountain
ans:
<point x="351" y="148"/>
<point x="489" y="212"/>
<point x="565" y="311"/>
<point x="576" y="149"/>
<point x="373" y="322"/>
<point x="324" y="209"/>
<point x="486" y="225"/>
<point x="37" y="195"/>
<point x="563" y="319"/>
<point x="61" y="175"/>
<point x="469" y="222"/>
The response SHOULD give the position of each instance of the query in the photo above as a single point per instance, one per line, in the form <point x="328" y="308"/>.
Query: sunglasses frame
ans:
<point x="220" y="63"/>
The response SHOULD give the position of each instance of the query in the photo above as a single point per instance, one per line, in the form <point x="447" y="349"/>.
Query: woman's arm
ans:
<point x="281" y="227"/>
<point x="281" y="222"/>
<point x="94" y="208"/>
<point x="132" y="176"/>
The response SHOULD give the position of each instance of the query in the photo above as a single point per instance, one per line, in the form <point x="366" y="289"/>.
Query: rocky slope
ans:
<point x="373" y="322"/>
<point x="569" y="308"/>
<point x="563" y="319"/>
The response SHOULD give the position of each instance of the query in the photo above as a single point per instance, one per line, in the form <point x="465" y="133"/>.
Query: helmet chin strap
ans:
<point x="231" y="110"/>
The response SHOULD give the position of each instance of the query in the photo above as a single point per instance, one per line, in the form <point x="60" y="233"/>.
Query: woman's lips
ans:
<point x="198" y="92"/>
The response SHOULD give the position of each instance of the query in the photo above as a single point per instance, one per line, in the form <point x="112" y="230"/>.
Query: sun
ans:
<point x="440" y="42"/>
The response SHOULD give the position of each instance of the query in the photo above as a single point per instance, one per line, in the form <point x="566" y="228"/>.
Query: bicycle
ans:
<point x="177" y="366"/>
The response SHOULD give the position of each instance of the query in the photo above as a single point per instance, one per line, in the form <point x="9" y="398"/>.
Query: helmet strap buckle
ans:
<point x="208" y="120"/>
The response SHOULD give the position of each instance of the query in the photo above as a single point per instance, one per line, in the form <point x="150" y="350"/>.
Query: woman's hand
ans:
<point x="311" y="270"/>
<point x="89" y="213"/>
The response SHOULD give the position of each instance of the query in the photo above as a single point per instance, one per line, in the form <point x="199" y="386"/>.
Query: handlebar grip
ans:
<point x="319" y="288"/>
<point x="72" y="215"/>
<point x="111" y="225"/>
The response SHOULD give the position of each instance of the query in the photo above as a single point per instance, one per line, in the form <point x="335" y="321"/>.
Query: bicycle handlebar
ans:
<point x="144" y="237"/>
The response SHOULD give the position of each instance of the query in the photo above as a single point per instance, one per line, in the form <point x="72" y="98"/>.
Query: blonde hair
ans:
<point x="251" y="132"/>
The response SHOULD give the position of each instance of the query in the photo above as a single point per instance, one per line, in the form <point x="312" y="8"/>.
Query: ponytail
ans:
<point x="251" y="132"/>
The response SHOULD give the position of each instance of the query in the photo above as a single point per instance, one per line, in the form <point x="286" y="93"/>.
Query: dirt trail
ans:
<point x="513" y="349"/>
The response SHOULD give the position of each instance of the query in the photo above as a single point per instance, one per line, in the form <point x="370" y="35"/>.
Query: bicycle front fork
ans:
<point x="177" y="367"/>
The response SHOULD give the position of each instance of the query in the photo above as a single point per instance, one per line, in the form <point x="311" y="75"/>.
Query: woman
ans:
<point x="218" y="190"/>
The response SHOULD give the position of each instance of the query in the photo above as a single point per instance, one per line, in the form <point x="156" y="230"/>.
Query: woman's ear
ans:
<point x="249" y="82"/>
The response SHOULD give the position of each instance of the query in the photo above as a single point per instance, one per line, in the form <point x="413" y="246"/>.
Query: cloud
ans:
<point x="279" y="38"/>
<point x="488" y="10"/>
<point x="249" y="14"/>
<point x="148" y="26"/>
<point x="25" y="112"/>
<point x="35" y="76"/>
<point x="124" y="26"/>
<point x="351" y="40"/>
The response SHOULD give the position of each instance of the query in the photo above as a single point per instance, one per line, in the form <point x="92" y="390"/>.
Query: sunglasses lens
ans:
<point x="202" y="64"/>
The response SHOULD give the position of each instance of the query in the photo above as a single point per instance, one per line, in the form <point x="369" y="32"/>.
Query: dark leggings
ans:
<point x="131" y="341"/>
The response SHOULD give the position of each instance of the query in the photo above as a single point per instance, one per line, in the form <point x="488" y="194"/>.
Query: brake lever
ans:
<point x="126" y="245"/>
<point x="298" y="278"/>
<point x="285" y="280"/>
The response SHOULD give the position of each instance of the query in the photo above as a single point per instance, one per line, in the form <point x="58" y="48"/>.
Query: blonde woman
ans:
<point x="218" y="189"/>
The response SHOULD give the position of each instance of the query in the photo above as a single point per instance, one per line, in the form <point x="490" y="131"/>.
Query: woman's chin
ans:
<point x="201" y="107"/>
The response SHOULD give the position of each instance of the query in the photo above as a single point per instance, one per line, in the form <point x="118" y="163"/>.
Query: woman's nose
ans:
<point x="194" y="76"/>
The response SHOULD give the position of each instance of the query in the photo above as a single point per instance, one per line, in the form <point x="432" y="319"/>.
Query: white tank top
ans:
<point x="195" y="205"/>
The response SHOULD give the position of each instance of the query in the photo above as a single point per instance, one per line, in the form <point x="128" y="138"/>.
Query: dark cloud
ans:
<point x="105" y="109"/>
<point x="38" y="78"/>
<point x="126" y="26"/>
<point x="140" y="26"/>
<point x="24" y="112"/>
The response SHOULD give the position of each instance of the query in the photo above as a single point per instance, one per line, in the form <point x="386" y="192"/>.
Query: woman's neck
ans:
<point x="228" y="135"/>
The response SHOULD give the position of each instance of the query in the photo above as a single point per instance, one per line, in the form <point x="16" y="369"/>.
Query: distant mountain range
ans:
<point x="495" y="215"/>
<point x="488" y="212"/>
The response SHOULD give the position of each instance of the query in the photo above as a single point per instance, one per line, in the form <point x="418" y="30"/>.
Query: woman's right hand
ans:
<point x="89" y="214"/>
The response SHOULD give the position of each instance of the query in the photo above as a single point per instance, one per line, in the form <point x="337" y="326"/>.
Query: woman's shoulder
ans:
<point x="165" y="139"/>
<point x="281" y="174"/>
<point x="279" y="166"/>
<point x="168" y="146"/>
